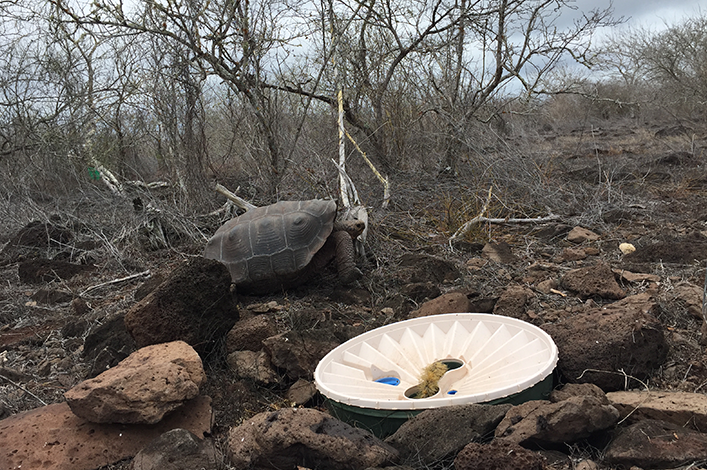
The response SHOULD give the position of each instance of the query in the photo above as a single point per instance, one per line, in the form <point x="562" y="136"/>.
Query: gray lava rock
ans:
<point x="681" y="408"/>
<point x="499" y="252"/>
<point x="596" y="346"/>
<point x="299" y="352"/>
<point x="40" y="270"/>
<point x="306" y="437"/>
<point x="301" y="392"/>
<point x="252" y="365"/>
<point x="562" y="422"/>
<point x="420" y="267"/>
<point x="107" y="344"/>
<point x="32" y="241"/>
<point x="193" y="305"/>
<point x="462" y="424"/>
<point x="656" y="444"/>
<point x="178" y="449"/>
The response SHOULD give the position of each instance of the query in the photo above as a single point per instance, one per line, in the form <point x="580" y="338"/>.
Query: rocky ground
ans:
<point x="74" y="273"/>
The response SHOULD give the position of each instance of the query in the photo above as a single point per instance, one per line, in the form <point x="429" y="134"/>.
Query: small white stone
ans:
<point x="627" y="248"/>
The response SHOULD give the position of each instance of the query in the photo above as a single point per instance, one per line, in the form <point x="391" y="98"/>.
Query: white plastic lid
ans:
<point x="489" y="357"/>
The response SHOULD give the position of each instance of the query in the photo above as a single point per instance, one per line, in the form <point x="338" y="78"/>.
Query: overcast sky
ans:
<point x="650" y="13"/>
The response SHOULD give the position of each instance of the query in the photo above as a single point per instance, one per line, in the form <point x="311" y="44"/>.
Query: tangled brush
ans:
<point x="429" y="378"/>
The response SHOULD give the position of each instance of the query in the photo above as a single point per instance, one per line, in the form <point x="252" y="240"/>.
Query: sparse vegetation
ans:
<point x="191" y="93"/>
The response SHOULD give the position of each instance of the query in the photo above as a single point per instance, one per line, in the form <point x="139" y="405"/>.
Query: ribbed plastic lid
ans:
<point x="489" y="357"/>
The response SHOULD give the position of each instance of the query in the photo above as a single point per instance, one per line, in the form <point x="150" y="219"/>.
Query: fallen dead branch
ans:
<point x="461" y="231"/>
<point x="115" y="281"/>
<point x="23" y="389"/>
<point x="238" y="201"/>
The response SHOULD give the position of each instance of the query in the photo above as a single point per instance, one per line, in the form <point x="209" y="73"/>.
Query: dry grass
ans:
<point x="529" y="177"/>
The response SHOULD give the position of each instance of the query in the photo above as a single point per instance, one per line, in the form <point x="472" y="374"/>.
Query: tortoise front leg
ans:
<point x="346" y="258"/>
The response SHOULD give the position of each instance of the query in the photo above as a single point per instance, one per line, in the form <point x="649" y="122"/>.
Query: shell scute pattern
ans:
<point x="272" y="242"/>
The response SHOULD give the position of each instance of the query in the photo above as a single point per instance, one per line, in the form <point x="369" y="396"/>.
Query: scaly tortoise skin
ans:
<point x="282" y="245"/>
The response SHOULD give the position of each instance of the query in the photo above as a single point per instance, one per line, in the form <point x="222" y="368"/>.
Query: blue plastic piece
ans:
<point x="388" y="380"/>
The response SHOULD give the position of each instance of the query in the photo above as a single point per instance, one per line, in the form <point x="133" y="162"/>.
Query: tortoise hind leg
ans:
<point x="345" y="258"/>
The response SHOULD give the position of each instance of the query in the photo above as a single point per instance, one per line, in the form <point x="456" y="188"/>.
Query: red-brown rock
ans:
<point x="142" y="388"/>
<point x="54" y="438"/>
<point x="512" y="302"/>
<point x="248" y="334"/>
<point x="451" y="302"/>
<point x="596" y="280"/>
<point x="581" y="235"/>
<point x="498" y="455"/>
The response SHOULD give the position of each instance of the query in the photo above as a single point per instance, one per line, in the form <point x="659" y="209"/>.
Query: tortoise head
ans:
<point x="352" y="227"/>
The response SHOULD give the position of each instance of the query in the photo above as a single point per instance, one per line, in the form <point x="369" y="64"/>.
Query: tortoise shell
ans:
<point x="272" y="246"/>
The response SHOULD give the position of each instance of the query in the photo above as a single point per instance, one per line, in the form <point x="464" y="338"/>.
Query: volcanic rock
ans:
<point x="33" y="240"/>
<point x="299" y="352"/>
<point x="194" y="305"/>
<point x="301" y="392"/>
<point x="178" y="449"/>
<point x="462" y="424"/>
<point x="499" y="252"/>
<point x="512" y="302"/>
<point x="142" y="388"/>
<point x="107" y="344"/>
<point x="420" y="267"/>
<point x="681" y="408"/>
<point x="253" y="365"/>
<point x="54" y="438"/>
<point x="498" y="454"/>
<point x="566" y="421"/>
<point x="248" y="334"/>
<point x="451" y="302"/>
<point x="609" y="345"/>
<point x="579" y="390"/>
<point x="656" y="444"/>
<point x="581" y="235"/>
<point x="42" y="270"/>
<point x="306" y="437"/>
<point x="596" y="280"/>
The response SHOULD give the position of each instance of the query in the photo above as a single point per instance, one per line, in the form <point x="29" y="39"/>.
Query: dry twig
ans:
<point x="115" y="281"/>
<point x="461" y="231"/>
<point x="240" y="202"/>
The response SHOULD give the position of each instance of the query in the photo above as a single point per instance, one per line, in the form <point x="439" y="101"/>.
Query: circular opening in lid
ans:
<point x="452" y="363"/>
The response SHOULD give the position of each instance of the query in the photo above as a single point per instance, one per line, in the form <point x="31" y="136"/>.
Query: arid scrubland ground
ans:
<point x="118" y="120"/>
<point x="643" y="183"/>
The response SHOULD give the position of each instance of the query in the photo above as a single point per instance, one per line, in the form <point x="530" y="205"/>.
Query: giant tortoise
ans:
<point x="282" y="245"/>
